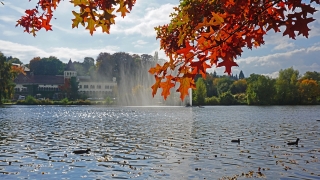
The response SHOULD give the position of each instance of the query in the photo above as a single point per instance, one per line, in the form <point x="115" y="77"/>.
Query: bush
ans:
<point x="241" y="98"/>
<point x="31" y="100"/>
<point x="212" y="100"/>
<point x="65" y="101"/>
<point x="227" y="98"/>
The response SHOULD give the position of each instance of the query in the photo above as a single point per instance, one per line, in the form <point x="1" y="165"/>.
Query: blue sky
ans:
<point x="135" y="34"/>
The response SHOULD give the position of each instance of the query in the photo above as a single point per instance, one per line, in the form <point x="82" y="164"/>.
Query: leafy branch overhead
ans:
<point x="91" y="14"/>
<point x="201" y="34"/>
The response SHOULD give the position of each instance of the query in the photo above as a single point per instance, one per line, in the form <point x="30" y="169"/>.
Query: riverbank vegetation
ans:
<point x="134" y="82"/>
<point x="33" y="101"/>
<point x="289" y="88"/>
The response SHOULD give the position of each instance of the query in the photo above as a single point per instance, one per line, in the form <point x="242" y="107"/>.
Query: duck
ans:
<point x="82" y="151"/>
<point x="294" y="143"/>
<point x="236" y="140"/>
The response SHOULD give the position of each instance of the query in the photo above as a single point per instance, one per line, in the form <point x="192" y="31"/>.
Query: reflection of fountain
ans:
<point x="188" y="100"/>
<point x="190" y="96"/>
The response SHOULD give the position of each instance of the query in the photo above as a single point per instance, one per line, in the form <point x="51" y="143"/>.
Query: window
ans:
<point x="80" y="86"/>
<point x="98" y="86"/>
<point x="85" y="86"/>
<point x="91" y="86"/>
<point x="106" y="87"/>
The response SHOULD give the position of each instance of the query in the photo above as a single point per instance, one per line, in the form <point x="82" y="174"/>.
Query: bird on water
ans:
<point x="236" y="140"/>
<point x="294" y="143"/>
<point x="82" y="151"/>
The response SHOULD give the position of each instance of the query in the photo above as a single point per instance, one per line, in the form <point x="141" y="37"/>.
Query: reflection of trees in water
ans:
<point x="4" y="129"/>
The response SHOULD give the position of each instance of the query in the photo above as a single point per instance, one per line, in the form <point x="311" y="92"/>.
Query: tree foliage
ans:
<point x="201" y="34"/>
<point x="200" y="92"/>
<point x="7" y="75"/>
<point x="261" y="90"/>
<point x="287" y="86"/>
<point x="46" y="66"/>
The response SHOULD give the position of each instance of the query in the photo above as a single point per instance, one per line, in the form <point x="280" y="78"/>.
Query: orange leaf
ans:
<point x="166" y="86"/>
<point x="156" y="85"/>
<point x="155" y="70"/>
<point x="185" y="84"/>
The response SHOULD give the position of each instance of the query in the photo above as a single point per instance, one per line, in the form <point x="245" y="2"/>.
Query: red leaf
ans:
<point x="186" y="50"/>
<point x="227" y="64"/>
<point x="200" y="66"/>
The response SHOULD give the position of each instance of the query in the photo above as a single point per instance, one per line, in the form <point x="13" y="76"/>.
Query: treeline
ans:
<point x="289" y="88"/>
<point x="7" y="76"/>
<point x="130" y="71"/>
<point x="134" y="82"/>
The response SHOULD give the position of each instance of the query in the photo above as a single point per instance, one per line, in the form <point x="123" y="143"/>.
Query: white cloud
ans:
<point x="9" y="33"/>
<point x="139" y="43"/>
<point x="272" y="75"/>
<point x="25" y="52"/>
<point x="8" y="18"/>
<point x="144" y="25"/>
<point x="284" y="45"/>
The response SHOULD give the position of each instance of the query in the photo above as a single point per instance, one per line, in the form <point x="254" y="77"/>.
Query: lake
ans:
<point x="37" y="142"/>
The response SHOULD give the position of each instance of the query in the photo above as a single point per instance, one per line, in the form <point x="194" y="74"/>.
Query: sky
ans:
<point x="135" y="34"/>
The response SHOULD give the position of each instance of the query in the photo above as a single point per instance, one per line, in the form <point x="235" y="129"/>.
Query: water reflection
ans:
<point x="159" y="142"/>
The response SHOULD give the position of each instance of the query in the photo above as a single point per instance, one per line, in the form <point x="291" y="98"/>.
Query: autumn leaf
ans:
<point x="156" y="70"/>
<point x="156" y="85"/>
<point x="185" y="50"/>
<point x="166" y="86"/>
<point x="227" y="64"/>
<point x="185" y="84"/>
<point x="122" y="9"/>
<point x="200" y="66"/>
<point x="46" y="24"/>
<point x="91" y="25"/>
<point x="78" y="19"/>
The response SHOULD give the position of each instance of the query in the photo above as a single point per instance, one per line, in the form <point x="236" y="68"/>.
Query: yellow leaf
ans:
<point x="91" y="25"/>
<point x="108" y="16"/>
<point x="78" y="19"/>
<point x="216" y="20"/>
<point x="79" y="2"/>
<point x="122" y="9"/>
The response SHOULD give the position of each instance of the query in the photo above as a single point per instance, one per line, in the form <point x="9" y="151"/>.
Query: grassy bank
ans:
<point x="32" y="101"/>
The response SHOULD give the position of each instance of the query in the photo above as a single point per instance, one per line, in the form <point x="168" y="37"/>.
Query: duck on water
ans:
<point x="236" y="140"/>
<point x="81" y="151"/>
<point x="294" y="143"/>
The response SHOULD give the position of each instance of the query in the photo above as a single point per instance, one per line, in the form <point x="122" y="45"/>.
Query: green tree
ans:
<point x="241" y="75"/>
<point x="14" y="60"/>
<point x="260" y="90"/>
<point x="223" y="84"/>
<point x="226" y="98"/>
<point x="239" y="86"/>
<point x="88" y="62"/>
<point x="74" y="87"/>
<point x="46" y="66"/>
<point x="200" y="92"/>
<point x="287" y="87"/>
<point x="312" y="75"/>
<point x="6" y="79"/>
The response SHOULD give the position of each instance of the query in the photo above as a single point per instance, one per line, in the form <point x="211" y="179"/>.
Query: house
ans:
<point x="47" y="86"/>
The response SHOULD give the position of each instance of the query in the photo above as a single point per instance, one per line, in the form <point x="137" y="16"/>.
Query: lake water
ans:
<point x="36" y="142"/>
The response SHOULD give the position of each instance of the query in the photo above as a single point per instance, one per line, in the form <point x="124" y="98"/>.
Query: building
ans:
<point x="46" y="86"/>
